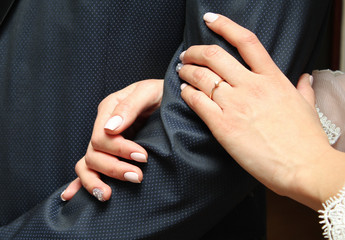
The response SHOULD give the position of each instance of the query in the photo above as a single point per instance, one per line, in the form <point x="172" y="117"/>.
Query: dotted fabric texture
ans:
<point x="59" y="59"/>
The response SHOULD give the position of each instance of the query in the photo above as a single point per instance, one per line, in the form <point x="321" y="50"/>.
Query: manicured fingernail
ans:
<point x="62" y="197"/>
<point x="182" y="55"/>
<point x="113" y="123"/>
<point x="183" y="85"/>
<point x="210" y="17"/>
<point x="311" y="79"/>
<point x="98" y="193"/>
<point x="178" y="67"/>
<point x="139" y="157"/>
<point x="131" y="177"/>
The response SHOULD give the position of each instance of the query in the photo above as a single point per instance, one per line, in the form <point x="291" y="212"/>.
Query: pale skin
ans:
<point x="134" y="104"/>
<point x="267" y="125"/>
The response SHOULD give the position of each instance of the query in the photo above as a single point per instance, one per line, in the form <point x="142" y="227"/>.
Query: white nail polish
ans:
<point x="98" y="193"/>
<point x="62" y="197"/>
<point x="311" y="79"/>
<point x="178" y="67"/>
<point x="183" y="85"/>
<point x="139" y="157"/>
<point x="210" y="17"/>
<point x="182" y="55"/>
<point x="131" y="177"/>
<point x="113" y="123"/>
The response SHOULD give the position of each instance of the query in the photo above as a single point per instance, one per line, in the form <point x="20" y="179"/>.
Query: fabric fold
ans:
<point x="192" y="188"/>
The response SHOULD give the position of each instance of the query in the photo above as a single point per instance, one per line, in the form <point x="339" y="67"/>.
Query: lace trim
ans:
<point x="333" y="132"/>
<point x="333" y="217"/>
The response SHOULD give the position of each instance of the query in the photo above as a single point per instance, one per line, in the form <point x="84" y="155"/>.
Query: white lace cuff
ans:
<point x="333" y="132"/>
<point x="333" y="217"/>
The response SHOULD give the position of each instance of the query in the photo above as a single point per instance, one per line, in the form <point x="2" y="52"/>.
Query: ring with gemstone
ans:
<point x="216" y="85"/>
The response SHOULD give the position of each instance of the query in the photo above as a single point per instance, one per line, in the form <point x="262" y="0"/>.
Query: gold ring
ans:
<point x="216" y="85"/>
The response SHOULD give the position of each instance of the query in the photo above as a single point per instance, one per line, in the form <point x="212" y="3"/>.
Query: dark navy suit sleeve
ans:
<point x="191" y="184"/>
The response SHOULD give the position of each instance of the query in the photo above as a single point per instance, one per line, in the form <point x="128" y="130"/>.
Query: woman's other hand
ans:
<point x="121" y="114"/>
<point x="271" y="129"/>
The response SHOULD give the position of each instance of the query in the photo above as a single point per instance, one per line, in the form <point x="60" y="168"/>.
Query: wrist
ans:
<point x="332" y="177"/>
<point x="320" y="178"/>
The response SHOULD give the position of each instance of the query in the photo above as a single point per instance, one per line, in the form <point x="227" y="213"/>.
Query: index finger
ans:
<point x="114" y="144"/>
<point x="246" y="42"/>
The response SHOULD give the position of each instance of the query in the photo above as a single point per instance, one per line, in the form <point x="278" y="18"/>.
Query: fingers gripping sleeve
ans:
<point x="190" y="183"/>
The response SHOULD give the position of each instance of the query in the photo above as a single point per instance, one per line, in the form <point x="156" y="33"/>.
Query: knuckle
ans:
<point x="86" y="185"/>
<point x="125" y="106"/>
<point x="249" y="38"/>
<point x="101" y="104"/>
<point x="212" y="51"/>
<point x="77" y="167"/>
<point x="88" y="157"/>
<point x="114" y="172"/>
<point x="96" y="141"/>
<point x="195" y="98"/>
<point x="120" y="150"/>
<point x="199" y="74"/>
<point x="233" y="126"/>
<point x="141" y="84"/>
<point x="105" y="102"/>
<point x="223" y="132"/>
<point x="244" y="111"/>
<point x="192" y="49"/>
<point x="257" y="91"/>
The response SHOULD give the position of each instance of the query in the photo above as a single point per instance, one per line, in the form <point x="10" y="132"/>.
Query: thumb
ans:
<point x="71" y="190"/>
<point x="304" y="88"/>
<point x="146" y="95"/>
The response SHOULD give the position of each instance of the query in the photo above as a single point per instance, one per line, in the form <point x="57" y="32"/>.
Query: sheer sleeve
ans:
<point x="329" y="87"/>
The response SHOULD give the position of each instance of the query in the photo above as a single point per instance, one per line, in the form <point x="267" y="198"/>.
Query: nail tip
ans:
<point x="139" y="157"/>
<point x="183" y="86"/>
<point x="210" y="17"/>
<point x="113" y="123"/>
<point x="311" y="79"/>
<point x="178" y="67"/>
<point x="62" y="198"/>
<point x="132" y="177"/>
<point x="182" y="55"/>
<point x="98" y="193"/>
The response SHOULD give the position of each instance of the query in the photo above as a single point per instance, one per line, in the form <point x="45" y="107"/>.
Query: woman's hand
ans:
<point x="121" y="112"/>
<point x="270" y="128"/>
